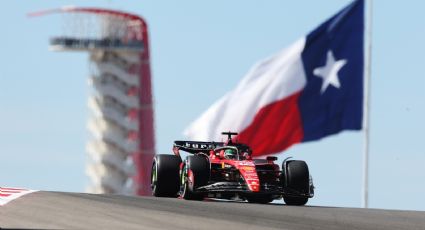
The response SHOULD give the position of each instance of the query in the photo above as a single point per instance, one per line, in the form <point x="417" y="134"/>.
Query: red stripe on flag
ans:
<point x="4" y="195"/>
<point x="275" y="127"/>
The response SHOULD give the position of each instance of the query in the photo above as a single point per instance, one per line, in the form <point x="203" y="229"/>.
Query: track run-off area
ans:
<point x="57" y="210"/>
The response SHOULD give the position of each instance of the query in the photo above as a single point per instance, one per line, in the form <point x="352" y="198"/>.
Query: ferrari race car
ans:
<point x="227" y="171"/>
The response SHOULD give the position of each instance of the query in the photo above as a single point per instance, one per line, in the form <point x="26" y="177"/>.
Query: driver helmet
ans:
<point x="230" y="153"/>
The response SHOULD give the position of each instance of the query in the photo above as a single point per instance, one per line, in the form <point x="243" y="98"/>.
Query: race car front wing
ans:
<point x="237" y="187"/>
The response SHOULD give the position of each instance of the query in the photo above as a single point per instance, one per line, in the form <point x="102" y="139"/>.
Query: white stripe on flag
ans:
<point x="270" y="80"/>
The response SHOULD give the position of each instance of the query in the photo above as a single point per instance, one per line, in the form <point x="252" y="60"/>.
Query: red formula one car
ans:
<point x="227" y="171"/>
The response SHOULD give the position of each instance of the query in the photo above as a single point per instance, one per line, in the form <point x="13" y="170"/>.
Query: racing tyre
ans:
<point x="195" y="173"/>
<point x="165" y="175"/>
<point x="296" y="180"/>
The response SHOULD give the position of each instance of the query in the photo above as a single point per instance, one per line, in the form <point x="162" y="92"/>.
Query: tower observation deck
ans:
<point x="121" y="123"/>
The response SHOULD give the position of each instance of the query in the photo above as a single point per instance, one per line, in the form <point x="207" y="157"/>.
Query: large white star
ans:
<point x="329" y="72"/>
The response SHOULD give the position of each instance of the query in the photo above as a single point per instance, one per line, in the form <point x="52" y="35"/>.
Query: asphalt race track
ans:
<point x="53" y="210"/>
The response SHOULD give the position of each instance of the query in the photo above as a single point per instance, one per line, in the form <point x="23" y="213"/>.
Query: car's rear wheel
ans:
<point x="165" y="175"/>
<point x="296" y="180"/>
<point x="195" y="173"/>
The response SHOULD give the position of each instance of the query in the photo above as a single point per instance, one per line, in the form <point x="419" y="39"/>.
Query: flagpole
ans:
<point x="366" y="104"/>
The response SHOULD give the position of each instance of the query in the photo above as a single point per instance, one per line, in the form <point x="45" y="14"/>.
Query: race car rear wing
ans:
<point x="195" y="146"/>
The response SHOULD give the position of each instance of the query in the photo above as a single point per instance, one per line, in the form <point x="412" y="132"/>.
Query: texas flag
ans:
<point x="311" y="89"/>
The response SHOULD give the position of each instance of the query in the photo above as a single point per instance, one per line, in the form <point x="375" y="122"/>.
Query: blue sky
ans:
<point x="199" y="52"/>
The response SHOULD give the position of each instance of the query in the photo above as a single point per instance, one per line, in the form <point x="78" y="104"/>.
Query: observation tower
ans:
<point x="121" y="123"/>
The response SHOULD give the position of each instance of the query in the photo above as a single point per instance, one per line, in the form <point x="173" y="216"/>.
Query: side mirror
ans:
<point x="271" y="158"/>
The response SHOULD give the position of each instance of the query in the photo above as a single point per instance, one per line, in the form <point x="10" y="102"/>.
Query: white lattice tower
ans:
<point x="121" y="121"/>
<point x="114" y="123"/>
